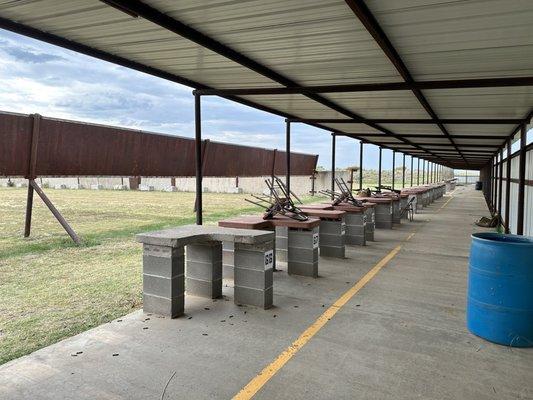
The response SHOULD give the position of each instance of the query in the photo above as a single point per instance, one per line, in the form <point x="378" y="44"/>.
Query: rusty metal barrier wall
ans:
<point x="31" y="146"/>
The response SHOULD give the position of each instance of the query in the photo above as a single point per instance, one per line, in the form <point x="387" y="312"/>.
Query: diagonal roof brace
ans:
<point x="165" y="21"/>
<point x="362" y="12"/>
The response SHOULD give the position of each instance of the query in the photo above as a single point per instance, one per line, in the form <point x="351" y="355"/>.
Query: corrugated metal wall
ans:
<point x="71" y="148"/>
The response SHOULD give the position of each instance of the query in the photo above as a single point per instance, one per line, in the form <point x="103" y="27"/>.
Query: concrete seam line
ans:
<point x="270" y="370"/>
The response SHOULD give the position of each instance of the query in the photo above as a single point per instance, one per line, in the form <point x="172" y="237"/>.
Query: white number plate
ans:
<point x="343" y="228"/>
<point x="269" y="259"/>
<point x="315" y="240"/>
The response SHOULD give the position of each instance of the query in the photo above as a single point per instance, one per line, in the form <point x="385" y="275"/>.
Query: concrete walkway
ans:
<point x="402" y="336"/>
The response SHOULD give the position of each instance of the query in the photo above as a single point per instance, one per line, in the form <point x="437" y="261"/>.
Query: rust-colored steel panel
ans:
<point x="73" y="148"/>
<point x="15" y="142"/>
<point x="70" y="148"/>
<point x="301" y="164"/>
<point x="223" y="159"/>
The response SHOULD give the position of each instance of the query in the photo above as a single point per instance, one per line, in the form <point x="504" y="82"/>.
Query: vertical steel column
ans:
<point x="418" y="174"/>
<point x="423" y="171"/>
<point x="288" y="155"/>
<point x="198" y="153"/>
<point x="412" y="171"/>
<point x="500" y="185"/>
<point x="333" y="151"/>
<point x="393" y="166"/>
<point x="495" y="193"/>
<point x="361" y="165"/>
<point x="379" y="170"/>
<point x="508" y="188"/>
<point x="403" y="171"/>
<point x="521" y="181"/>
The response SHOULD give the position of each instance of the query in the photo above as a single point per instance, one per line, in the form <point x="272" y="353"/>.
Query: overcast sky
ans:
<point x="36" y="77"/>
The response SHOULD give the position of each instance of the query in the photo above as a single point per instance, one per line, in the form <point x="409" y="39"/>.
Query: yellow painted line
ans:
<point x="445" y="204"/>
<point x="270" y="370"/>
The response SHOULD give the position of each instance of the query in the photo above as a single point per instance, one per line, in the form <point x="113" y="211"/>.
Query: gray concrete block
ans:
<point x="254" y="257"/>
<point x="281" y="255"/>
<point x="331" y="227"/>
<point x="228" y="271"/>
<point x="331" y="251"/>
<point x="303" y="268"/>
<point x="204" y="270"/>
<point x="303" y="238"/>
<point x="167" y="267"/>
<point x="201" y="288"/>
<point x="163" y="287"/>
<point x="254" y="297"/>
<point x="331" y="240"/>
<point x="357" y="240"/>
<point x="172" y="308"/>
<point x="384" y="224"/>
<point x="253" y="278"/>
<point x="301" y="254"/>
<point x="205" y="252"/>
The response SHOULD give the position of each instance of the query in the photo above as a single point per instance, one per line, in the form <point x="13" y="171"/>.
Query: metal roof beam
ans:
<point x="424" y="136"/>
<point x="374" y="87"/>
<point x="414" y="121"/>
<point x="165" y="21"/>
<point x="362" y="12"/>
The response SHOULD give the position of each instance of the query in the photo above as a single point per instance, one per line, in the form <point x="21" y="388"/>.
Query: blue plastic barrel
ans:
<point x="500" y="289"/>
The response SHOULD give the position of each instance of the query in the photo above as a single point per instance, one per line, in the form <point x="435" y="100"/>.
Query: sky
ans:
<point x="36" y="77"/>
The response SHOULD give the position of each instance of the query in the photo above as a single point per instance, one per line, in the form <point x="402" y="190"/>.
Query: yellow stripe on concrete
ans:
<point x="270" y="370"/>
<point x="445" y="204"/>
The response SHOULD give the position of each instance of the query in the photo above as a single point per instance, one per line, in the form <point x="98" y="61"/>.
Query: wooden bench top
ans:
<point x="344" y="207"/>
<point x="257" y="222"/>
<point x="377" y="200"/>
<point x="189" y="234"/>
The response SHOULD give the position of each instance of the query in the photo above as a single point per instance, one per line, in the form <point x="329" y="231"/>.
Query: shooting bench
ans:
<point x="383" y="210"/>
<point x="398" y="203"/>
<point x="355" y="219"/>
<point x="169" y="269"/>
<point x="301" y="242"/>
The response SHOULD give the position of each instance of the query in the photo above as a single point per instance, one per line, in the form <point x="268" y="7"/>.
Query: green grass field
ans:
<point x="51" y="289"/>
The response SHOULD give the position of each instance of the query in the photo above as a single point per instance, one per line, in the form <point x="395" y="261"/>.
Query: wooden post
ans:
<point x="55" y="212"/>
<point x="34" y="143"/>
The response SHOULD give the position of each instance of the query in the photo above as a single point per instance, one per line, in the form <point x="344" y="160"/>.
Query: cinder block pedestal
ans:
<point x="384" y="216"/>
<point x="396" y="219"/>
<point x="302" y="255"/>
<point x="355" y="229"/>
<point x="282" y="243"/>
<point x="332" y="235"/>
<point x="204" y="270"/>
<point x="370" y="224"/>
<point x="228" y="260"/>
<point x="253" y="274"/>
<point x="403" y="204"/>
<point x="163" y="280"/>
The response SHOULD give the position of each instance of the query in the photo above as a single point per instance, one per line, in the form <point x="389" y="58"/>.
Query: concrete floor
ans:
<point x="403" y="336"/>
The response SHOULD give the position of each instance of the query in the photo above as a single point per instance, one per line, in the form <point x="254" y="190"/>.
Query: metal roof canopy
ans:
<point x="406" y="72"/>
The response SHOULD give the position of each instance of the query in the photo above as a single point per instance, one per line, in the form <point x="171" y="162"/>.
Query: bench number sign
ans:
<point x="269" y="259"/>
<point x="315" y="240"/>
<point x="343" y="228"/>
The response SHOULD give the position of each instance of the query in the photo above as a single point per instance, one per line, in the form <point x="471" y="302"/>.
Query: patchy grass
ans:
<point x="51" y="289"/>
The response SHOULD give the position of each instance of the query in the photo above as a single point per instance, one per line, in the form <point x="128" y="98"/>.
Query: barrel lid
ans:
<point x="506" y="239"/>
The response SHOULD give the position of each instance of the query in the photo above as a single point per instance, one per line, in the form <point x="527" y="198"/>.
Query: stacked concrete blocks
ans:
<point x="163" y="280"/>
<point x="355" y="229"/>
<point x="332" y="235"/>
<point x="204" y="270"/>
<point x="370" y="224"/>
<point x="384" y="215"/>
<point x="396" y="219"/>
<point x="253" y="274"/>
<point x="302" y="255"/>
<point x="282" y="243"/>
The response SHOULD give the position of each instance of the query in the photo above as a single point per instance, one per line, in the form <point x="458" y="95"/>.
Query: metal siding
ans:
<point x="69" y="148"/>
<point x="15" y="141"/>
<point x="528" y="201"/>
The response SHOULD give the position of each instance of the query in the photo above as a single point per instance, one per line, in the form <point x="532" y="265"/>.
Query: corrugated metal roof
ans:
<point x="319" y="42"/>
